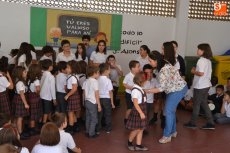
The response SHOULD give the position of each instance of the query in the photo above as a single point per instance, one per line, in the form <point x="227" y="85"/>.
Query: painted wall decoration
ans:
<point x="50" y="26"/>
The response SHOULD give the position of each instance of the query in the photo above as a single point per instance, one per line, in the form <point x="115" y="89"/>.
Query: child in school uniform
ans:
<point x="106" y="97"/>
<point x="33" y="83"/>
<point x="137" y="120"/>
<point x="47" y="53"/>
<point x="5" y="83"/>
<point x="72" y="97"/>
<point x="150" y="83"/>
<point x="21" y="107"/>
<point x="60" y="79"/>
<point x="92" y="103"/>
<point x="134" y="67"/>
<point x="66" y="140"/>
<point x="47" y="92"/>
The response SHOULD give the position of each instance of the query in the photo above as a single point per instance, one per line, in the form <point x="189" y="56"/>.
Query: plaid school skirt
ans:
<point x="19" y="108"/>
<point x="74" y="102"/>
<point x="35" y="105"/>
<point x="4" y="103"/>
<point x="134" y="120"/>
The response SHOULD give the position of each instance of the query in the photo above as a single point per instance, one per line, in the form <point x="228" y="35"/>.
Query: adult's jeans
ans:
<point x="172" y="100"/>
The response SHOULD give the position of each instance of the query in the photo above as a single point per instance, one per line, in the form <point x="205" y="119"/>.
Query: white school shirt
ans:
<point x="48" y="91"/>
<point x="34" y="85"/>
<point x="22" y="59"/>
<point x="98" y="57"/>
<point x="66" y="141"/>
<point x="149" y="85"/>
<point x="4" y="83"/>
<point x="61" y="82"/>
<point x="12" y="60"/>
<point x="227" y="109"/>
<point x="203" y="65"/>
<point x="137" y="94"/>
<point x="105" y="85"/>
<point x="129" y="81"/>
<point x="39" y="148"/>
<point x="80" y="58"/>
<point x="33" y="54"/>
<point x="90" y="86"/>
<point x="72" y="79"/>
<point x="44" y="57"/>
<point x="143" y="61"/>
<point x="114" y="76"/>
<point x="24" y="150"/>
<point x="62" y="57"/>
<point x="20" y="86"/>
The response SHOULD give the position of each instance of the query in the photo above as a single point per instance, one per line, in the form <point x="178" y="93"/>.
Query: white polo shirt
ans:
<point x="148" y="85"/>
<point x="203" y="65"/>
<point x="114" y="76"/>
<point x="39" y="148"/>
<point x="46" y="57"/>
<point x="72" y="79"/>
<point x="98" y="57"/>
<point x="137" y="94"/>
<point x="143" y="61"/>
<point x="79" y="58"/>
<point x="48" y="91"/>
<point x="66" y="141"/>
<point x="62" y="57"/>
<point x="34" y="84"/>
<point x="4" y="83"/>
<point x="105" y="85"/>
<point x="61" y="82"/>
<point x="129" y="81"/>
<point x="90" y="86"/>
<point x="20" y="86"/>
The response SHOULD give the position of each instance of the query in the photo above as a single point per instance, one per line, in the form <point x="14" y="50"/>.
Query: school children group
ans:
<point x="84" y="85"/>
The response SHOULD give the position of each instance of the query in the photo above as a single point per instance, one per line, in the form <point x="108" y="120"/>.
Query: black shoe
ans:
<point x="208" y="126"/>
<point x="141" y="148"/>
<point x="131" y="147"/>
<point x="93" y="136"/>
<point x="190" y="125"/>
<point x="152" y="121"/>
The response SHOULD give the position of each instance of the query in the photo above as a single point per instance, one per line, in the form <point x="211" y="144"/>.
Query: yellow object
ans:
<point x="222" y="70"/>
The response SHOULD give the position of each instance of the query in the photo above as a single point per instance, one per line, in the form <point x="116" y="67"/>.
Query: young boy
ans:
<point x="48" y="92"/>
<point x="66" y="140"/>
<point x="217" y="99"/>
<point x="61" y="78"/>
<point x="149" y="84"/>
<point x="106" y="97"/>
<point x="66" y="55"/>
<point x="92" y="103"/>
<point x="134" y="67"/>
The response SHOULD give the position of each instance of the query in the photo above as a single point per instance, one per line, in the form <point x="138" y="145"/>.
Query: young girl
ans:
<point x="99" y="56"/>
<point x="137" y="120"/>
<point x="21" y="107"/>
<point x="24" y="57"/>
<point x="224" y="116"/>
<point x="33" y="82"/>
<point x="66" y="140"/>
<point x="72" y="97"/>
<point x="81" y="53"/>
<point x="9" y="135"/>
<point x="201" y="84"/>
<point x="5" y="83"/>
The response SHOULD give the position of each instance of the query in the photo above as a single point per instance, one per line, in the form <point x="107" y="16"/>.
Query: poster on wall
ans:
<point x="50" y="26"/>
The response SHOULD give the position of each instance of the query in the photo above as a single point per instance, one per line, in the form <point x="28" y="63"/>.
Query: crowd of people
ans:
<point x="53" y="94"/>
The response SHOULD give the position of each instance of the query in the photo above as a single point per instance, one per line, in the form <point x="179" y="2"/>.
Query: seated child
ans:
<point x="66" y="140"/>
<point x="217" y="99"/>
<point x="224" y="116"/>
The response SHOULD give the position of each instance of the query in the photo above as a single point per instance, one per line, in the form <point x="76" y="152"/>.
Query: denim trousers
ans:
<point x="171" y="102"/>
<point x="221" y="118"/>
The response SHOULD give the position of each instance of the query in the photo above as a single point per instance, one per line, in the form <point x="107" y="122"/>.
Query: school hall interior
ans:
<point x="149" y="22"/>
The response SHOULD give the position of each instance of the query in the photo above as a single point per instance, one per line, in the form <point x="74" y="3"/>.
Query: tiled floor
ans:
<point x="187" y="141"/>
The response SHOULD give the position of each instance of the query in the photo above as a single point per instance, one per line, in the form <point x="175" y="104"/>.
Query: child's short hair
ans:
<point x="139" y="78"/>
<point x="74" y="65"/>
<point x="65" y="41"/>
<point x="85" y="37"/>
<point x="4" y="119"/>
<point x="220" y="86"/>
<point x="50" y="135"/>
<point x="214" y="80"/>
<point x="45" y="64"/>
<point x="110" y="56"/>
<point x="62" y="65"/>
<point x="91" y="70"/>
<point x="58" y="119"/>
<point x="103" y="67"/>
<point x="47" y="49"/>
<point x="132" y="64"/>
<point x="147" y="66"/>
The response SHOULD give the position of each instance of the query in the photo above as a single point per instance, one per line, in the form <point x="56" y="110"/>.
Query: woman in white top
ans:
<point x="143" y="58"/>
<point x="99" y="56"/>
<point x="49" y="140"/>
<point x="81" y="53"/>
<point x="24" y="57"/>
<point x="9" y="135"/>
<point x="172" y="84"/>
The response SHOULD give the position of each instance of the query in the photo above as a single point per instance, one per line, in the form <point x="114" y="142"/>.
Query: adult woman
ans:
<point x="99" y="56"/>
<point x="173" y="85"/>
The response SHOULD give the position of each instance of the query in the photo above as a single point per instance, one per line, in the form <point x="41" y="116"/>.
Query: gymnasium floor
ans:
<point x="187" y="141"/>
